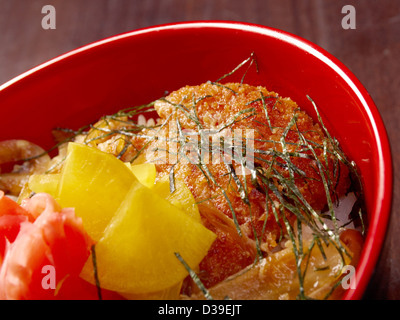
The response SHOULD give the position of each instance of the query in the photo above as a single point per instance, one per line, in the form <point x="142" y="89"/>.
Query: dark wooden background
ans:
<point x="371" y="52"/>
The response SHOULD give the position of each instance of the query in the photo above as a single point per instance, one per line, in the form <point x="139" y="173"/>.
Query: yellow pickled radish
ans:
<point x="145" y="173"/>
<point x="44" y="183"/>
<point x="94" y="183"/>
<point x="181" y="197"/>
<point x="136" y="255"/>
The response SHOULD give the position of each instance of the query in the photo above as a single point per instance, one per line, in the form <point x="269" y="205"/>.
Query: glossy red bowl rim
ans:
<point x="378" y="224"/>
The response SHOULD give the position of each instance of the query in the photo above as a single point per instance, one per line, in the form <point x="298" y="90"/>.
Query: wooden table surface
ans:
<point x="371" y="51"/>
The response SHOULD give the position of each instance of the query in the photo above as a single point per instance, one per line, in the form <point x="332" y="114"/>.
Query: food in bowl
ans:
<point x="232" y="191"/>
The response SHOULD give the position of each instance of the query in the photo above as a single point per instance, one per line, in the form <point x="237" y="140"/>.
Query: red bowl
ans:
<point x="140" y="66"/>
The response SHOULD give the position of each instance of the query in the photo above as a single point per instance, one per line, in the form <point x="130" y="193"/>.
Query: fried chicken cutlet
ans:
<point x="244" y="199"/>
